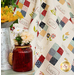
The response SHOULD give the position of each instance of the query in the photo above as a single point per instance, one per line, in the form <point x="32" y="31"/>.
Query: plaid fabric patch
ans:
<point x="23" y="6"/>
<point x="54" y="54"/>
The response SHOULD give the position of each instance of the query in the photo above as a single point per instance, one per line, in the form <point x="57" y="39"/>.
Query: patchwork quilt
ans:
<point x="52" y="23"/>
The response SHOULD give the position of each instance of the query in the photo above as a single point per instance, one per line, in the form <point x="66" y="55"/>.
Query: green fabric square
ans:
<point x="55" y="46"/>
<point x="45" y="28"/>
<point x="72" y="43"/>
<point x="34" y="15"/>
<point x="41" y="17"/>
<point x="60" y="27"/>
<point x="57" y="56"/>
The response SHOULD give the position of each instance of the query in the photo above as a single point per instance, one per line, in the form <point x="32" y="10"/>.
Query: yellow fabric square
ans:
<point x="20" y="5"/>
<point x="43" y="32"/>
<point x="62" y="1"/>
<point x="47" y="6"/>
<point x="70" y="47"/>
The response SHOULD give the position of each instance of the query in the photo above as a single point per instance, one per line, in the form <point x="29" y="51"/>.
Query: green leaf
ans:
<point x="11" y="26"/>
<point x="50" y="38"/>
<point x="34" y="28"/>
<point x="47" y="38"/>
<point x="14" y="5"/>
<point x="64" y="39"/>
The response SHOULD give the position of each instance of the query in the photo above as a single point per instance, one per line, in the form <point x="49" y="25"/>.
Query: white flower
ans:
<point x="17" y="30"/>
<point x="26" y="37"/>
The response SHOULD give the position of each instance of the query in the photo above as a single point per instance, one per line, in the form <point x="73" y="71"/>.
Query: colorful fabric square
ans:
<point x="41" y="17"/>
<point x="41" y="58"/>
<point x="61" y="1"/>
<point x="34" y="15"/>
<point x="22" y="1"/>
<point x="42" y="33"/>
<point x="40" y="61"/>
<point x="55" y="46"/>
<point x="20" y="5"/>
<point x="61" y="22"/>
<point x="44" y="10"/>
<point x="43" y="26"/>
<point x="26" y="3"/>
<point x="72" y="68"/>
<point x="23" y="13"/>
<point x="65" y="20"/>
<point x="43" y="5"/>
<point x="60" y="51"/>
<point x="47" y="6"/>
<point x="48" y="57"/>
<point x="24" y="8"/>
<point x="54" y="54"/>
<point x="57" y="56"/>
<point x="71" y="45"/>
<point x="53" y="61"/>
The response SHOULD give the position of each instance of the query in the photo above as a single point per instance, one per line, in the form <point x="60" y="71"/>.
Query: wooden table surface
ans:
<point x="11" y="72"/>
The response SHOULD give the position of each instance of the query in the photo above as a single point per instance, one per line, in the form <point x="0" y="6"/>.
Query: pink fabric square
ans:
<point x="24" y="8"/>
<point x="48" y="57"/>
<point x="65" y="20"/>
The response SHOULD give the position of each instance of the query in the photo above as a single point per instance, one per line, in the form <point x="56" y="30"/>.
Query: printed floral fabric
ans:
<point x="52" y="23"/>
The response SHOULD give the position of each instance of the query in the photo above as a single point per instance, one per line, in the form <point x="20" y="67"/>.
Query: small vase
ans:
<point x="22" y="58"/>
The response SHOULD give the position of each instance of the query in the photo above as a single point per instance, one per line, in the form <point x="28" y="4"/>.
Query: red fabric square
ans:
<point x="26" y="3"/>
<point x="60" y="51"/>
<point x="41" y="58"/>
<point x="44" y="12"/>
<point x="65" y="20"/>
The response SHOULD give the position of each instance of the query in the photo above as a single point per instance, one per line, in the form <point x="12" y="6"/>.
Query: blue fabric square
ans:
<point x="22" y="1"/>
<point x="43" y="5"/>
<point x="45" y="28"/>
<point x="55" y="46"/>
<point x="73" y="50"/>
<point x="42" y="24"/>
<point x="73" y="38"/>
<point x="52" y="52"/>
<point x="38" y="63"/>
<point x="23" y="13"/>
<point x="72" y="43"/>
<point x="53" y="61"/>
<point x="41" y="17"/>
<point x="34" y="15"/>
<point x="57" y="56"/>
<point x="57" y="21"/>
<point x="72" y="68"/>
<point x="62" y="23"/>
